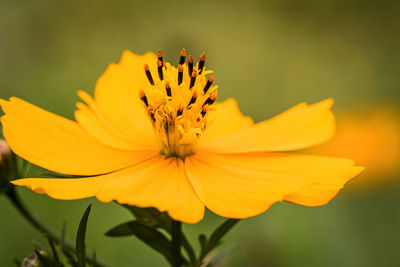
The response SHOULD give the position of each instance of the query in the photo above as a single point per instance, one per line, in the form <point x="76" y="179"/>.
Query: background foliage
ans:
<point x="269" y="55"/>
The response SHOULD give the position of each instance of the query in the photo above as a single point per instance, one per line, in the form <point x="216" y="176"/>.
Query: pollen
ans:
<point x="178" y="102"/>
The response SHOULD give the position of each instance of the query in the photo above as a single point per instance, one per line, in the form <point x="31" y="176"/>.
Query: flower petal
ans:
<point x="93" y="121"/>
<point x="299" y="127"/>
<point x="231" y="189"/>
<point x="117" y="90"/>
<point x="158" y="182"/>
<point x="324" y="176"/>
<point x="164" y="186"/>
<point x="64" y="188"/>
<point x="227" y="120"/>
<point x="78" y="188"/>
<point x="59" y="144"/>
<point x="326" y="187"/>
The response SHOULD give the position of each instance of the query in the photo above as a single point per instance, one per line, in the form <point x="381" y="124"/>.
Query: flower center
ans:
<point x="178" y="103"/>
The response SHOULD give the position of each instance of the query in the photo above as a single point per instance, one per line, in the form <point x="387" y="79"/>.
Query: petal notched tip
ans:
<point x="3" y="105"/>
<point x="87" y="98"/>
<point x="326" y="103"/>
<point x="321" y="193"/>
<point x="3" y="102"/>
<point x="128" y="55"/>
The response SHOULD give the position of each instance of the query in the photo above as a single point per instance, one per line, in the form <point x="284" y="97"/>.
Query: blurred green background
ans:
<point x="269" y="55"/>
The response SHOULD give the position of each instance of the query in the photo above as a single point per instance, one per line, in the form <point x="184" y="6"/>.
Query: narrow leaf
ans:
<point x="222" y="230"/>
<point x="125" y="230"/>
<point x="121" y="230"/>
<point x="68" y="255"/>
<point x="203" y="245"/>
<point x="70" y="258"/>
<point x="80" y="238"/>
<point x="151" y="217"/>
<point x="152" y="237"/>
<point x="215" y="238"/>
<point x="54" y="252"/>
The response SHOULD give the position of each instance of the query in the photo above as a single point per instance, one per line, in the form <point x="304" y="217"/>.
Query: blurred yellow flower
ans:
<point x="372" y="139"/>
<point x="153" y="137"/>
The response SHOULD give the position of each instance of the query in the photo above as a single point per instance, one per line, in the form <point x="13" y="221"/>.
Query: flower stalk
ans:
<point x="176" y="243"/>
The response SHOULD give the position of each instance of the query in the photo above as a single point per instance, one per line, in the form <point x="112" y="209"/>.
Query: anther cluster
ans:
<point x="178" y="101"/>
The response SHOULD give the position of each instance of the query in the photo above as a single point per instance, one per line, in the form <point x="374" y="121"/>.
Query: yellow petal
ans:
<point x="117" y="90"/>
<point x="300" y="127"/>
<point x="59" y="144"/>
<point x="164" y="186"/>
<point x="324" y="189"/>
<point x="78" y="188"/>
<point x="63" y="188"/>
<point x="326" y="175"/>
<point x="232" y="190"/>
<point x="159" y="183"/>
<point x="227" y="120"/>
<point x="93" y="121"/>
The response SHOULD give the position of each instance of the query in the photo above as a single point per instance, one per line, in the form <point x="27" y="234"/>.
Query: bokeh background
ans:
<point x="269" y="55"/>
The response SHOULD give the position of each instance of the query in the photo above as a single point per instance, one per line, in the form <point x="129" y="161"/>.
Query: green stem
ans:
<point x="176" y="243"/>
<point x="17" y="202"/>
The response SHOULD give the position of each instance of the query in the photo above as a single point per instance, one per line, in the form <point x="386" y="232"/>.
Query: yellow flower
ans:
<point x="373" y="139"/>
<point x="152" y="136"/>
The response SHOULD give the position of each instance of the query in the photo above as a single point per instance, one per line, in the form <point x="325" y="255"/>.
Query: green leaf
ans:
<point x="203" y="245"/>
<point x="80" y="238"/>
<point x="215" y="238"/>
<point x="121" y="230"/>
<point x="151" y="217"/>
<point x="222" y="230"/>
<point x="70" y="258"/>
<point x="68" y="255"/>
<point x="148" y="235"/>
<point x="54" y="252"/>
